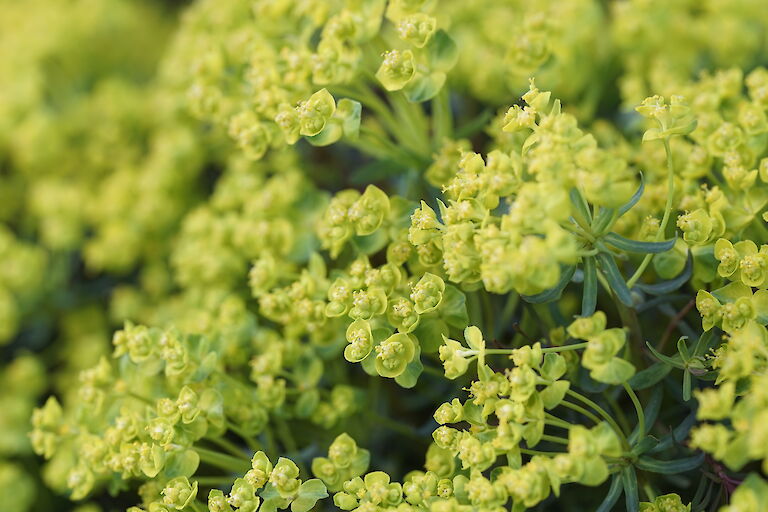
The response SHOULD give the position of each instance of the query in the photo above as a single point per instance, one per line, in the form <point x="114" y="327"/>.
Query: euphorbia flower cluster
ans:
<point x="384" y="255"/>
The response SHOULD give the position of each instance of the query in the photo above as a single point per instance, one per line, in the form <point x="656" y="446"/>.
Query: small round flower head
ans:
<point x="728" y="257"/>
<point x="368" y="303"/>
<point x="381" y="491"/>
<point x="369" y="211"/>
<point x="261" y="468"/>
<point x="178" y="493"/>
<point x="584" y="328"/>
<point x="712" y="438"/>
<point x="81" y="481"/>
<point x="454" y="357"/>
<point x="417" y="29"/>
<point x="475" y="454"/>
<point x="360" y="341"/>
<point x="217" y="502"/>
<point x="284" y="477"/>
<point x="709" y="308"/>
<point x="394" y="354"/>
<point x="249" y="133"/>
<point x="754" y="269"/>
<point x="401" y="313"/>
<point x="427" y="294"/>
<point x="602" y="347"/>
<point x="715" y="404"/>
<point x="397" y="69"/>
<point x="518" y="118"/>
<point x="522" y="380"/>
<point x="314" y="113"/>
<point x="736" y="315"/>
<point x="289" y="122"/>
<point x="449" y="412"/>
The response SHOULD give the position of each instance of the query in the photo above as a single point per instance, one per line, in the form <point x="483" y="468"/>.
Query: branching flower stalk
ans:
<point x="383" y="256"/>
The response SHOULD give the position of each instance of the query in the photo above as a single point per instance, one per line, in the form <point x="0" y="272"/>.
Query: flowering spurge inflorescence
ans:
<point x="520" y="410"/>
<point x="545" y="179"/>
<point x="266" y="486"/>
<point x="665" y="503"/>
<point x="345" y="462"/>
<point x="256" y="270"/>
<point x="161" y="433"/>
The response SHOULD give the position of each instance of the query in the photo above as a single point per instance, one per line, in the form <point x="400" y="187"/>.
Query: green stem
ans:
<point x="252" y="443"/>
<point x="509" y="309"/>
<point x="556" y="422"/>
<point x="563" y="348"/>
<point x="223" y="461"/>
<point x="412" y="120"/>
<point x="226" y="444"/>
<point x="498" y="351"/>
<point x="442" y="118"/>
<point x="553" y="420"/>
<point x="374" y="139"/>
<point x="638" y="409"/>
<point x="618" y="412"/>
<point x="581" y="410"/>
<point x="288" y="442"/>
<point x="285" y="435"/>
<point x="527" y="451"/>
<point x="599" y="410"/>
<point x="665" y="218"/>
<point x="376" y="145"/>
<point x="367" y="146"/>
<point x="271" y="446"/>
<point x="554" y="439"/>
<point x="578" y="230"/>
<point x="606" y="286"/>
<point x="488" y="311"/>
<point x="629" y="319"/>
<point x="403" y="131"/>
<point x="650" y="494"/>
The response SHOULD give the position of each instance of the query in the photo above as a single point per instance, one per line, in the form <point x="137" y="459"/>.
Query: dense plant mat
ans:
<point x="432" y="255"/>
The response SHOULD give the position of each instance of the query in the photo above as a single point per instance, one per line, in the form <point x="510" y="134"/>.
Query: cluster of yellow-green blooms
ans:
<point x="523" y="245"/>
<point x="75" y="102"/>
<point x="508" y="415"/>
<point x="24" y="381"/>
<point x="270" y="73"/>
<point x="518" y="39"/>
<point x="22" y="282"/>
<point x="318" y="231"/>
<point x="162" y="410"/>
<point x="69" y="179"/>
<point x="643" y="31"/>
<point x="740" y="310"/>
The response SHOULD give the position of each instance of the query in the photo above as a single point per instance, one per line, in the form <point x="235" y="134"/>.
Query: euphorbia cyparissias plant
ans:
<point x="386" y="255"/>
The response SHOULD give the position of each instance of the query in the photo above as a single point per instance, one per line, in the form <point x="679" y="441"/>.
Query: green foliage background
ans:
<point x="316" y="225"/>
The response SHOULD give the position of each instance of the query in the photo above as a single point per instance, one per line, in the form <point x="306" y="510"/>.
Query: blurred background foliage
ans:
<point x="101" y="162"/>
